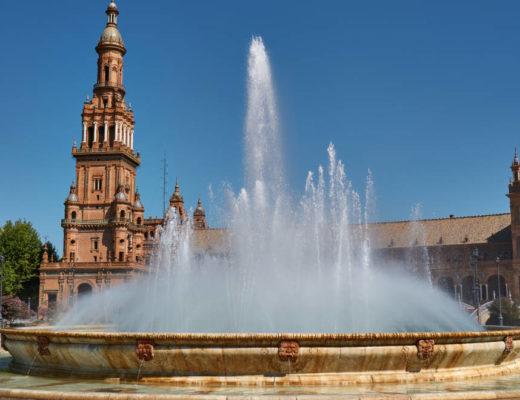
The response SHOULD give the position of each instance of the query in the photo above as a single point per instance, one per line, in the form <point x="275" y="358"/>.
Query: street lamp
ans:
<point x="2" y="261"/>
<point x="500" y="316"/>
<point x="476" y="290"/>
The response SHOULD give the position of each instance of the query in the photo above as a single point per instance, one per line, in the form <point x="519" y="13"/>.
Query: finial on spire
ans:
<point x="45" y="253"/>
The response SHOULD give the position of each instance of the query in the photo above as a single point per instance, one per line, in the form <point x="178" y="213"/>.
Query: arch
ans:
<point x="73" y="215"/>
<point x="446" y="284"/>
<point x="493" y="286"/>
<point x="107" y="73"/>
<point x="122" y="214"/>
<point x="139" y="221"/>
<point x="84" y="289"/>
<point x="467" y="290"/>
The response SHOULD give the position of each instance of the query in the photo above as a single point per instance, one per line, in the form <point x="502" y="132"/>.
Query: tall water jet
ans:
<point x="263" y="160"/>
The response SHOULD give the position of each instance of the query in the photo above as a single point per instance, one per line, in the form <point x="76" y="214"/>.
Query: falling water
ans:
<point x="284" y="265"/>
<point x="418" y="254"/>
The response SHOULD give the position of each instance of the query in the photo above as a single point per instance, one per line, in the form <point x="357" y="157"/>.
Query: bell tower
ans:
<point x="103" y="213"/>
<point x="514" y="202"/>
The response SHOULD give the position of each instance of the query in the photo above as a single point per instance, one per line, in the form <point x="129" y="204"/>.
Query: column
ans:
<point x="124" y="134"/>
<point x="132" y="139"/>
<point x="84" y="133"/>
<point x="117" y="131"/>
<point x="106" y="132"/>
<point x="95" y="132"/>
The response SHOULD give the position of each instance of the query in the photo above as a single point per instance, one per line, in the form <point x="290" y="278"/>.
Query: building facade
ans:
<point x="107" y="240"/>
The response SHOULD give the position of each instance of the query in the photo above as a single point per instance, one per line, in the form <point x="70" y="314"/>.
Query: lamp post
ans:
<point x="476" y="291"/>
<point x="2" y="261"/>
<point x="500" y="316"/>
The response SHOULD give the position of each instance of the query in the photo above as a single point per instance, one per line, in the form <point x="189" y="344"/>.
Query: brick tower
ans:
<point x="104" y="217"/>
<point x="514" y="202"/>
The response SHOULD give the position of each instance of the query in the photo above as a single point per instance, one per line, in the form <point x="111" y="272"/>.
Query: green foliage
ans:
<point x="22" y="248"/>
<point x="510" y="313"/>
<point x="52" y="252"/>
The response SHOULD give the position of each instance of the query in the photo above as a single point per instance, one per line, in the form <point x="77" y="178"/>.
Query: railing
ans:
<point x="106" y="150"/>
<point x="109" y="84"/>
<point x="68" y="221"/>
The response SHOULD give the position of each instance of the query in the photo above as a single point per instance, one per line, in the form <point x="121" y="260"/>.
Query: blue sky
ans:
<point x="424" y="93"/>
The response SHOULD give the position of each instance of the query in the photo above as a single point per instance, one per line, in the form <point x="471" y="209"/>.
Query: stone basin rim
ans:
<point x="256" y="338"/>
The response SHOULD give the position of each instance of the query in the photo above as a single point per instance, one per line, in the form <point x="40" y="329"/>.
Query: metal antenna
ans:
<point x="164" y="181"/>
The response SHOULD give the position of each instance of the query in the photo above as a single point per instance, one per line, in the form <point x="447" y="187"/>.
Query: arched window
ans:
<point x="107" y="73"/>
<point x="73" y="215"/>
<point x="139" y="221"/>
<point x="122" y="214"/>
<point x="84" y="289"/>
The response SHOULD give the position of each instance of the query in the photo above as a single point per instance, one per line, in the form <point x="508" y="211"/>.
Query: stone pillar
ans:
<point x="95" y="133"/>
<point x="124" y="135"/>
<point x="84" y="133"/>
<point x="116" y="132"/>
<point x="106" y="132"/>
<point x="132" y="139"/>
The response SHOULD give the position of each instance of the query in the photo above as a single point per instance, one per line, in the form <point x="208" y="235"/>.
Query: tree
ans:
<point x="22" y="248"/>
<point x="510" y="313"/>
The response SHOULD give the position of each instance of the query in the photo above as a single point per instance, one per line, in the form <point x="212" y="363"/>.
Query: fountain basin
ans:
<point x="242" y="359"/>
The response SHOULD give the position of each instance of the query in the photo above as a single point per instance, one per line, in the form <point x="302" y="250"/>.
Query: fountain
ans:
<point x="293" y="297"/>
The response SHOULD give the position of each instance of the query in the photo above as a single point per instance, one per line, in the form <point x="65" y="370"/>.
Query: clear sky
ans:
<point x="424" y="93"/>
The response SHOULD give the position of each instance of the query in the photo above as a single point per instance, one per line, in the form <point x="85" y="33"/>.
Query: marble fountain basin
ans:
<point x="264" y="359"/>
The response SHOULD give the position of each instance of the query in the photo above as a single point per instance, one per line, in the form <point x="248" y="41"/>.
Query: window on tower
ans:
<point x="98" y="184"/>
<point x="107" y="74"/>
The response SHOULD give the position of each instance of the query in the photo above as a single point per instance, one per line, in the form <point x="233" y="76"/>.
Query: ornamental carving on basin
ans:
<point x="288" y="350"/>
<point x="43" y="346"/>
<point x="425" y="349"/>
<point x="145" y="350"/>
<point x="508" y="349"/>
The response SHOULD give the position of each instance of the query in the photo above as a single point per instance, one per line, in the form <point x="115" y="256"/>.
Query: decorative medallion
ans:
<point x="43" y="346"/>
<point x="145" y="350"/>
<point x="288" y="351"/>
<point x="508" y="349"/>
<point x="425" y="349"/>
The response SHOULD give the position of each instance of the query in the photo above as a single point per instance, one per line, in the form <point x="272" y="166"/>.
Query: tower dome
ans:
<point x="111" y="35"/>
<point x="199" y="211"/>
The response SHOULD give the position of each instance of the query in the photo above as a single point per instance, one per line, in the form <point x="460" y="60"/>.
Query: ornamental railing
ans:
<point x="109" y="84"/>
<point x="106" y="150"/>
<point x="68" y="221"/>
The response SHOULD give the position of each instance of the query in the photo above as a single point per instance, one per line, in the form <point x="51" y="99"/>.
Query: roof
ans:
<point x="479" y="229"/>
<point x="443" y="231"/>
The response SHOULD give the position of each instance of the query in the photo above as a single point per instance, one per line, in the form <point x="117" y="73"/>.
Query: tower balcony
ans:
<point x="125" y="151"/>
<point x="113" y="85"/>
<point x="97" y="223"/>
